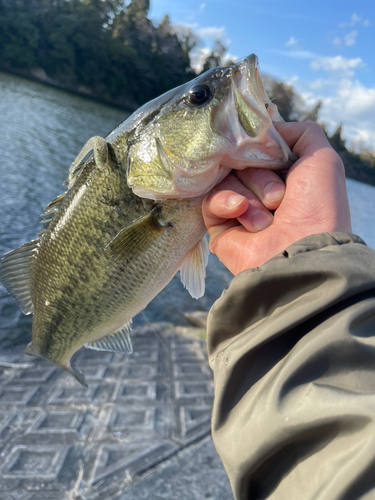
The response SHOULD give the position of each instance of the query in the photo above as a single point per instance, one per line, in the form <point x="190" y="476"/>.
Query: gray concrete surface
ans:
<point x="141" y="430"/>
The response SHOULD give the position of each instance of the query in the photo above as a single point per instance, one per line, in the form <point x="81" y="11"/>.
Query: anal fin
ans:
<point x="115" y="342"/>
<point x="193" y="269"/>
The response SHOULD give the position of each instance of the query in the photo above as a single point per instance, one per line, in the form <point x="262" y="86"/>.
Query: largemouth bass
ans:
<point x="131" y="216"/>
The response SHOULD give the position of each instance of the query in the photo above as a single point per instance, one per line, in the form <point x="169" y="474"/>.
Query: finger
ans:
<point x="233" y="200"/>
<point x="219" y="215"/>
<point x="303" y="138"/>
<point x="265" y="184"/>
<point x="220" y="206"/>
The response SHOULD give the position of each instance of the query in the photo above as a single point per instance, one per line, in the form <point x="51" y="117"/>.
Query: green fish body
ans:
<point x="131" y="216"/>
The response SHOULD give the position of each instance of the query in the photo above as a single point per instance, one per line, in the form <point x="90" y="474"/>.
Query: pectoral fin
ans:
<point x="193" y="269"/>
<point x="137" y="237"/>
<point x="116" y="342"/>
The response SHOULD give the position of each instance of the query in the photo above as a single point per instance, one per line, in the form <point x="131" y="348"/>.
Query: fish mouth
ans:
<point x="251" y="122"/>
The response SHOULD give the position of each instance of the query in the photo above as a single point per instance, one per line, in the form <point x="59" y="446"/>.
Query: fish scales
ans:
<point x="132" y="217"/>
<point x="67" y="277"/>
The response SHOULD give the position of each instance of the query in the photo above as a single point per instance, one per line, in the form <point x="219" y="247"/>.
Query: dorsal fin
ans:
<point x="50" y="212"/>
<point x="193" y="269"/>
<point x="100" y="151"/>
<point x="15" y="274"/>
<point x="99" y="148"/>
<point x="115" y="342"/>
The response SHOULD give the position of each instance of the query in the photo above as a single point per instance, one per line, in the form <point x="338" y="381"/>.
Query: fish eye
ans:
<point x="199" y="94"/>
<point x="267" y="105"/>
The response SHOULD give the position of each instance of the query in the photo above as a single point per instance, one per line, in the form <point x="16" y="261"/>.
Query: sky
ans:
<point x="324" y="48"/>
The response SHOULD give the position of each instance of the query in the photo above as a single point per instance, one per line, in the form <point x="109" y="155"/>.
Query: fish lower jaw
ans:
<point x="249" y="155"/>
<point x="186" y="186"/>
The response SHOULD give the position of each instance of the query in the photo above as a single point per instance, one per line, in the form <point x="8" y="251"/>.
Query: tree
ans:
<point x="215" y="58"/>
<point x="336" y="140"/>
<point x="105" y="48"/>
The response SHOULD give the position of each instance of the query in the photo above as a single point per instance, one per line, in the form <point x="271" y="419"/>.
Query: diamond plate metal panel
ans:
<point x="27" y="461"/>
<point x="59" y="440"/>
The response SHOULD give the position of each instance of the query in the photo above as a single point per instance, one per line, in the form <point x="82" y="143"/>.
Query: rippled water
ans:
<point x="42" y="131"/>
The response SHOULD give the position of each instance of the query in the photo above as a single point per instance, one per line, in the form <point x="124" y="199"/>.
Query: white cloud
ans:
<point x="361" y="137"/>
<point x="198" y="58"/>
<point x="292" y="80"/>
<point x="355" y="19"/>
<point x="202" y="6"/>
<point x="211" y="32"/>
<point x="317" y="84"/>
<point x="350" y="38"/>
<point x="229" y="57"/>
<point x="357" y="99"/>
<point x="337" y="42"/>
<point x="338" y="64"/>
<point x="291" y="42"/>
<point x="185" y="26"/>
<point x="297" y="54"/>
<point x="349" y="102"/>
<point x="345" y="100"/>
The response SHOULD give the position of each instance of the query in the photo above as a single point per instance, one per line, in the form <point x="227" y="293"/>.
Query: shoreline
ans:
<point x="38" y="75"/>
<point x="354" y="168"/>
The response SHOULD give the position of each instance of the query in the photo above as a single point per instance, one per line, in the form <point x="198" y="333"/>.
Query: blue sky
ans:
<point x="325" y="49"/>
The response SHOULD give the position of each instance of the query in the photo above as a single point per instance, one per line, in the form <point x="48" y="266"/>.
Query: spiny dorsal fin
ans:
<point x="56" y="203"/>
<point x="115" y="342"/>
<point x="137" y="237"/>
<point x="50" y="212"/>
<point x="15" y="274"/>
<point x="99" y="147"/>
<point x="193" y="269"/>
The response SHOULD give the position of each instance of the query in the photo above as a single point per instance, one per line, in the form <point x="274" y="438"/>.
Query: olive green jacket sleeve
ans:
<point x="292" y="347"/>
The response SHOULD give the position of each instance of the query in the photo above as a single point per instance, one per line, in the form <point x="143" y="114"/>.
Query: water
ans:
<point x="42" y="130"/>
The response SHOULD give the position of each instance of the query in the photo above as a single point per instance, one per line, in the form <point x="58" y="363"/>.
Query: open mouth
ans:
<point x="251" y="129"/>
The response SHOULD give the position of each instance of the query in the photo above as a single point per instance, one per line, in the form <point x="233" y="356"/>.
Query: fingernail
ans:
<point x="273" y="191"/>
<point x="261" y="220"/>
<point x="234" y="200"/>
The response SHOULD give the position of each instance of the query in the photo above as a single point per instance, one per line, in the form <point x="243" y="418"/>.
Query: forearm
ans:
<point x="292" y="346"/>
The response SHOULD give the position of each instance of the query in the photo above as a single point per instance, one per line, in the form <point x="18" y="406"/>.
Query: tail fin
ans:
<point x="31" y="350"/>
<point x="73" y="370"/>
<point x="71" y="367"/>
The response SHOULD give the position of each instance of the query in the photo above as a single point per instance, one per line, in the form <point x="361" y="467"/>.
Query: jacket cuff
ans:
<point x="310" y="275"/>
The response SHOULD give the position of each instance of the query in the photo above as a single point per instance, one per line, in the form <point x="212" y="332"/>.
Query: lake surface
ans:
<point x="42" y="129"/>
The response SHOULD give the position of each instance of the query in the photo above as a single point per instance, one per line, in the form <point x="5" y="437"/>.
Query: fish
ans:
<point x="131" y="215"/>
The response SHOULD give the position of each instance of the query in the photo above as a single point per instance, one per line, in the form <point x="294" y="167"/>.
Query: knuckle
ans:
<point x="314" y="127"/>
<point x="257" y="176"/>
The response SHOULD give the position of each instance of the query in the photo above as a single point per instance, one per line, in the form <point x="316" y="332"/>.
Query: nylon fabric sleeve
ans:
<point x="292" y="347"/>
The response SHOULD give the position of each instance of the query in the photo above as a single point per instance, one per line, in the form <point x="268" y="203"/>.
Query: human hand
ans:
<point x="243" y="232"/>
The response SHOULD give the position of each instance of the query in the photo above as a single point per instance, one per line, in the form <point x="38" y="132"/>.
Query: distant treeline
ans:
<point x="99" y="47"/>
<point x="112" y="51"/>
